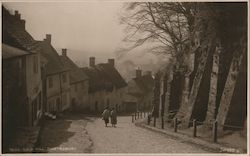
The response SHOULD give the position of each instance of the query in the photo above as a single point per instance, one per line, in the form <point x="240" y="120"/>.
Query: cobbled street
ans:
<point x="127" y="138"/>
<point x="79" y="134"/>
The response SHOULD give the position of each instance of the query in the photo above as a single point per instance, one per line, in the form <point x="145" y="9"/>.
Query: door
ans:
<point x="96" y="106"/>
<point x="58" y="104"/>
<point x="73" y="103"/>
<point x="116" y="107"/>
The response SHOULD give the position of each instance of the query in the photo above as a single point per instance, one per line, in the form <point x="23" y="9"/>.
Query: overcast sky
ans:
<point x="86" y="27"/>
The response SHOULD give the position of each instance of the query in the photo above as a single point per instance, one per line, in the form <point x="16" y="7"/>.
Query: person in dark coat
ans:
<point x="105" y="116"/>
<point x="113" y="116"/>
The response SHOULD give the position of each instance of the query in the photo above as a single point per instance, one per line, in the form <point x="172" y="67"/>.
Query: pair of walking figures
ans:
<point x="107" y="113"/>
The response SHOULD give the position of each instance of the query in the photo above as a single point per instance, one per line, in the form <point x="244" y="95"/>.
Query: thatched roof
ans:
<point x="103" y="77"/>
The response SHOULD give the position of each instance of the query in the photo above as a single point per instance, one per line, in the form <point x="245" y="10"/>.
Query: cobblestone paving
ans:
<point x="127" y="138"/>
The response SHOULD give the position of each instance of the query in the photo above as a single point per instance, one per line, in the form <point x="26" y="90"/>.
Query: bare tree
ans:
<point x="168" y="25"/>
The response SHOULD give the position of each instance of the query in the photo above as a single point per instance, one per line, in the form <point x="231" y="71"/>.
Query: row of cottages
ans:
<point x="106" y="86"/>
<point x="56" y="83"/>
<point x="34" y="78"/>
<point x="21" y="72"/>
<point x="78" y="84"/>
<point x="215" y="87"/>
<point x="139" y="92"/>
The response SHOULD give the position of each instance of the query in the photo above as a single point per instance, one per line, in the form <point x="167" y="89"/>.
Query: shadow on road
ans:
<point x="79" y="116"/>
<point x="53" y="134"/>
<point x="65" y="134"/>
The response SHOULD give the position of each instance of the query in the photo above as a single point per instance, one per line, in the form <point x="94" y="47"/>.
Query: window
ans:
<point x="76" y="87"/>
<point x="50" y="82"/>
<point x="35" y="64"/>
<point x="64" y="78"/>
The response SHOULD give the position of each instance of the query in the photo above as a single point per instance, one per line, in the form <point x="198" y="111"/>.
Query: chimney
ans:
<point x="64" y="52"/>
<point x="111" y="62"/>
<point x="17" y="15"/>
<point x="92" y="61"/>
<point x="20" y="22"/>
<point x="138" y="73"/>
<point x="48" y="38"/>
<point x="23" y="24"/>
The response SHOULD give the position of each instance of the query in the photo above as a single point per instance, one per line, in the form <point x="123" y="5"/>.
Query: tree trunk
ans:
<point x="211" y="110"/>
<point x="229" y="88"/>
<point x="188" y="108"/>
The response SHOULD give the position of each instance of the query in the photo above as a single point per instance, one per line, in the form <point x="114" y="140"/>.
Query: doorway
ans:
<point x="96" y="107"/>
<point x="58" y="104"/>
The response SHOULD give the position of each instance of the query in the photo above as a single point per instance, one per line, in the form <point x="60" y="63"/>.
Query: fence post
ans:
<point x="132" y="118"/>
<point x="135" y="115"/>
<point x="195" y="127"/>
<point x="149" y="119"/>
<point x="175" y="124"/>
<point x="138" y="113"/>
<point x="154" y="121"/>
<point x="144" y="114"/>
<point x="215" y="126"/>
<point x="162" y="122"/>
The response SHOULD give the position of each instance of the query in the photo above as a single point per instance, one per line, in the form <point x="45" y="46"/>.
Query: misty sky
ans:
<point x="84" y="27"/>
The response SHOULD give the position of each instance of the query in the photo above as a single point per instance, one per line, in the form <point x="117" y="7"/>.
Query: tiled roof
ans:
<point x="10" y="52"/>
<point x="54" y="64"/>
<point x="14" y="33"/>
<point x="103" y="77"/>
<point x="76" y="74"/>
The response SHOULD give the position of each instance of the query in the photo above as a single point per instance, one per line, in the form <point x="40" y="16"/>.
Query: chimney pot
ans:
<point x="92" y="61"/>
<point x="111" y="62"/>
<point x="17" y="15"/>
<point x="64" y="52"/>
<point x="48" y="38"/>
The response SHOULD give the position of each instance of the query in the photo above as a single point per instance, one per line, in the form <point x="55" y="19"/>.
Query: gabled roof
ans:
<point x="54" y="64"/>
<point x="76" y="74"/>
<point x="104" y="77"/>
<point x="10" y="52"/>
<point x="14" y="33"/>
<point x="145" y="83"/>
